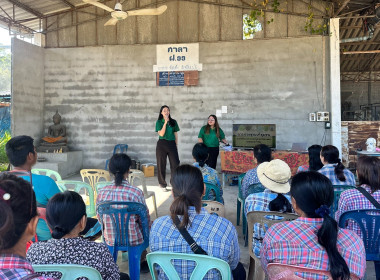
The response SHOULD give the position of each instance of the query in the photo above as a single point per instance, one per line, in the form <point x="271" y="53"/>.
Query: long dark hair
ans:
<point x="262" y="153"/>
<point x="216" y="126"/>
<point x="119" y="165"/>
<point x="160" y="116"/>
<point x="17" y="211"/>
<point x="368" y="172"/>
<point x="200" y="153"/>
<point x="56" y="213"/>
<point x="188" y="189"/>
<point x="280" y="204"/>
<point x="314" y="194"/>
<point x="315" y="162"/>
<point x="331" y="154"/>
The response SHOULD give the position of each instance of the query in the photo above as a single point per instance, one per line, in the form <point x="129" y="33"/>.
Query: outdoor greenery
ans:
<point x="3" y="157"/>
<point x="5" y="70"/>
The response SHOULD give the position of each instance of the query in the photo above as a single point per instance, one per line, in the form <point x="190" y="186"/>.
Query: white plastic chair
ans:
<point x="214" y="207"/>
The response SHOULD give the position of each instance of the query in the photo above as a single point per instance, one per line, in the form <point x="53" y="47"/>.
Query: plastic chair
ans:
<point x="120" y="149"/>
<point x="369" y="222"/>
<point x="216" y="190"/>
<point x="47" y="172"/>
<point x="278" y="271"/>
<point x="120" y="217"/>
<point x="262" y="217"/>
<point x="342" y="187"/>
<point x="94" y="175"/>
<point x="102" y="184"/>
<point x="214" y="207"/>
<point x="337" y="193"/>
<point x="137" y="174"/>
<point x="69" y="271"/>
<point x="203" y="264"/>
<point x="77" y="187"/>
<point x="239" y="200"/>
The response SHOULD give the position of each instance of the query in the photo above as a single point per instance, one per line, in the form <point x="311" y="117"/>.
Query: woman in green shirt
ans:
<point x="167" y="144"/>
<point x="211" y="134"/>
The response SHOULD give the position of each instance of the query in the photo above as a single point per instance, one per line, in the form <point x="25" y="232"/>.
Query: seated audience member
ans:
<point x="314" y="159"/>
<point x="314" y="240"/>
<point x="215" y="235"/>
<point x="121" y="191"/>
<point x="261" y="153"/>
<point x="368" y="171"/>
<point x="333" y="167"/>
<point x="18" y="221"/>
<point x="200" y="155"/>
<point x="66" y="216"/>
<point x="274" y="176"/>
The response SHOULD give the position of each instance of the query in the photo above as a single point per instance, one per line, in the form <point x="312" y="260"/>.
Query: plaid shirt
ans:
<point x="260" y="202"/>
<point x="328" y="171"/>
<point x="216" y="235"/>
<point x="354" y="200"/>
<point x="250" y="178"/>
<point x="210" y="176"/>
<point x="296" y="243"/>
<point x="123" y="193"/>
<point x="303" y="168"/>
<point x="14" y="267"/>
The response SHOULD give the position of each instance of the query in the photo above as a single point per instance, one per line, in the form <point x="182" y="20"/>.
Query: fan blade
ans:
<point x="148" y="12"/>
<point x="111" y="21"/>
<point x="97" y="4"/>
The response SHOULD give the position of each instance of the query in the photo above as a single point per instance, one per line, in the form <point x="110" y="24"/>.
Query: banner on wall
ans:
<point x="177" y="57"/>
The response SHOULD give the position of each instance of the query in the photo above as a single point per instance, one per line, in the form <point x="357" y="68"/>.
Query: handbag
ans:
<point x="369" y="197"/>
<point x="238" y="273"/>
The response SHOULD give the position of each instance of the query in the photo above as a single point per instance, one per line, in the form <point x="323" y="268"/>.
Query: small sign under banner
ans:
<point x="178" y="78"/>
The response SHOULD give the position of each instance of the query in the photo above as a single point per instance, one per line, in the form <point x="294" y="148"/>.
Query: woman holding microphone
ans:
<point x="210" y="135"/>
<point x="167" y="129"/>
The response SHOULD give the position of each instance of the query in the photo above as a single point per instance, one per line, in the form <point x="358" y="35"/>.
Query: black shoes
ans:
<point x="144" y="268"/>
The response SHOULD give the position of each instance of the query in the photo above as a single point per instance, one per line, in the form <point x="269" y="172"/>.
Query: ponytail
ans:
<point x="7" y="227"/>
<point x="118" y="178"/>
<point x="330" y="154"/>
<point x="280" y="204"/>
<point x="180" y="206"/>
<point x="119" y="165"/>
<point x="339" y="171"/>
<point x="327" y="237"/>
<point x="58" y="232"/>
<point x="200" y="153"/>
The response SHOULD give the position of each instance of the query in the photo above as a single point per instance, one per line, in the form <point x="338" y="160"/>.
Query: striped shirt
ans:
<point x="216" y="235"/>
<point x="250" y="178"/>
<point x="123" y="193"/>
<point x="296" y="243"/>
<point x="355" y="200"/>
<point x="328" y="171"/>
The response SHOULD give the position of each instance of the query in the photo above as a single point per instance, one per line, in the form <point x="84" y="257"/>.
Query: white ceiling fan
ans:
<point x="118" y="14"/>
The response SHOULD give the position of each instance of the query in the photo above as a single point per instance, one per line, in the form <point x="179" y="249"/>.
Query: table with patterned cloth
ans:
<point x="237" y="162"/>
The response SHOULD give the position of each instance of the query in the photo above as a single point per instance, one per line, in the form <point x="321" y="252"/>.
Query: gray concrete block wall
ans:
<point x="27" y="89"/>
<point x="359" y="93"/>
<point x="108" y="95"/>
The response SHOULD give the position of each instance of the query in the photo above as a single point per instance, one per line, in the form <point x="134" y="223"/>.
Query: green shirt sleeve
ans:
<point x="176" y="127"/>
<point x="221" y="134"/>
<point x="201" y="132"/>
<point x="159" y="125"/>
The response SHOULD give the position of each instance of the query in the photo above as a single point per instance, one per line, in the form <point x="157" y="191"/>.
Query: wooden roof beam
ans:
<point x="344" y="4"/>
<point x="68" y="4"/>
<point x="26" y="8"/>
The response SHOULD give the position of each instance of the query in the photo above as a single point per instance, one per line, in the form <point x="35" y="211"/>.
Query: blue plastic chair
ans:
<point x="120" y="217"/>
<point x="216" y="190"/>
<point x="369" y="222"/>
<point x="203" y="265"/>
<point x="69" y="271"/>
<point x="78" y="186"/>
<point x="120" y="149"/>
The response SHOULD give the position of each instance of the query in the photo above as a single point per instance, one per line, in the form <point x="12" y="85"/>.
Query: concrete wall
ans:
<point x="357" y="93"/>
<point x="108" y="95"/>
<point x="27" y="89"/>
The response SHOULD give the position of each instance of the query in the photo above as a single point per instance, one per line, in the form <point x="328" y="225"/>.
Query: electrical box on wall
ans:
<point x="312" y="117"/>
<point x="323" y="116"/>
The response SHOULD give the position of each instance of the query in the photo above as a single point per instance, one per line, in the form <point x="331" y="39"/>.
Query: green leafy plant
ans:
<point x="3" y="156"/>
<point x="309" y="26"/>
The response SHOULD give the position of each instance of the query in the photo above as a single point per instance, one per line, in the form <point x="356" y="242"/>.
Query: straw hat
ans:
<point x="275" y="175"/>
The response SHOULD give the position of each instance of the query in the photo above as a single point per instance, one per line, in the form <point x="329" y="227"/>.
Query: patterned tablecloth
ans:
<point x="242" y="161"/>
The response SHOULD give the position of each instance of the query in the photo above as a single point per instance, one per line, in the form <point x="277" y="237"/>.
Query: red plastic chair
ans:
<point x="278" y="271"/>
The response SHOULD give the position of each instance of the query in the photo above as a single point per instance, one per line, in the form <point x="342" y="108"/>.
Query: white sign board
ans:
<point x="177" y="57"/>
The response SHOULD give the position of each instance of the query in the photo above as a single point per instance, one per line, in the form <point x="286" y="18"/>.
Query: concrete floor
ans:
<point x="164" y="199"/>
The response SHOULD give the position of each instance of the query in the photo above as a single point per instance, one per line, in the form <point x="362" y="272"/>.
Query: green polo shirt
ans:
<point x="210" y="139"/>
<point x="169" y="132"/>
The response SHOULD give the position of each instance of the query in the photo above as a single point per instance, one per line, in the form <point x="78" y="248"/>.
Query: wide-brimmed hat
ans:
<point x="275" y="175"/>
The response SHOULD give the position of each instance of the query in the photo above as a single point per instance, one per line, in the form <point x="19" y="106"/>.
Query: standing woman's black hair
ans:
<point x="188" y="190"/>
<point x="216" y="126"/>
<point x="330" y="154"/>
<point x="314" y="194"/>
<point x="160" y="116"/>
<point x="368" y="170"/>
<point x="119" y="165"/>
<point x="17" y="208"/>
<point x="200" y="153"/>
<point x="56" y="213"/>
<point x="314" y="157"/>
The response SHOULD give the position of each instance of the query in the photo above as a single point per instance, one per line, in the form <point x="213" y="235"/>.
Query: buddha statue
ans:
<point x="56" y="138"/>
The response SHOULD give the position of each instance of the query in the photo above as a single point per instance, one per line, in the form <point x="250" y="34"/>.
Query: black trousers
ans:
<point x="213" y="153"/>
<point x="164" y="149"/>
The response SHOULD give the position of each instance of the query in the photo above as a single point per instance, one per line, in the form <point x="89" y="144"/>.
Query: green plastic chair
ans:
<point x="69" y="271"/>
<point x="216" y="190"/>
<point x="338" y="189"/>
<point x="239" y="200"/>
<point x="47" y="172"/>
<point x="203" y="264"/>
<point x="77" y="186"/>
<point x="100" y="185"/>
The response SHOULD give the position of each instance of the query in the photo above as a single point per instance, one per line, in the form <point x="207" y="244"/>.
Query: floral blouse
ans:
<point x="74" y="251"/>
